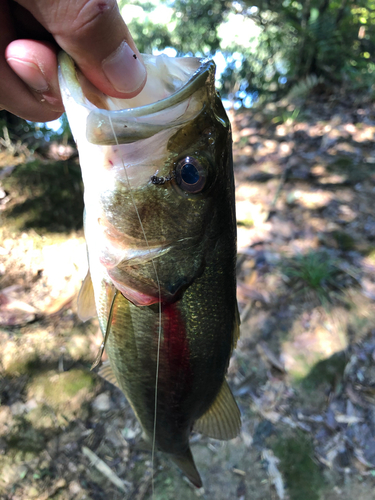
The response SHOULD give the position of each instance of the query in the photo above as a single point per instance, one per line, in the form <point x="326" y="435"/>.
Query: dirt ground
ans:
<point x="303" y="372"/>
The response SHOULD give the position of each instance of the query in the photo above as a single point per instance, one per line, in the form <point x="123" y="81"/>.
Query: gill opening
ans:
<point x="159" y="302"/>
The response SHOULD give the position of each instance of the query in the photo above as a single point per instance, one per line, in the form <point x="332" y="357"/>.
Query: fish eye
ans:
<point x="190" y="175"/>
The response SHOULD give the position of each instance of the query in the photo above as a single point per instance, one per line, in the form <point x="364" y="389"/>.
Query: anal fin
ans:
<point x="105" y="371"/>
<point x="223" y="419"/>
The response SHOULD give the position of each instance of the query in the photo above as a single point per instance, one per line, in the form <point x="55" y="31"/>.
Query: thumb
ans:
<point x="94" y="34"/>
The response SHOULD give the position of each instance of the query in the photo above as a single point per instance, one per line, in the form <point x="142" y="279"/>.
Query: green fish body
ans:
<point x="160" y="229"/>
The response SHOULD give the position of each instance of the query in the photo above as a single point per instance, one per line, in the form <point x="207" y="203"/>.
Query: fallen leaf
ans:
<point x="273" y="472"/>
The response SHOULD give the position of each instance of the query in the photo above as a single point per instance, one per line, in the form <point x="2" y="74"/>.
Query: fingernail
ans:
<point x="124" y="70"/>
<point x="29" y="73"/>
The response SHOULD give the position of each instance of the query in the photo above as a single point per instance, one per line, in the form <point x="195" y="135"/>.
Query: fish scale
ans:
<point x="168" y="247"/>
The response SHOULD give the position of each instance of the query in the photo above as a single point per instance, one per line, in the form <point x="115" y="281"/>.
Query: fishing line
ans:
<point x="159" y="302"/>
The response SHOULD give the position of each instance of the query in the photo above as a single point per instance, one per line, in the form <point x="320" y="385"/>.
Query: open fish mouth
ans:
<point x="164" y="103"/>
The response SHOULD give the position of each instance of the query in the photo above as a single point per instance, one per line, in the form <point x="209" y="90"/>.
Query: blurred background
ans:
<point x="298" y="82"/>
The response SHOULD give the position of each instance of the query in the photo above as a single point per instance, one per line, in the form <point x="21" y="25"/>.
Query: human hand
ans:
<point x="92" y="32"/>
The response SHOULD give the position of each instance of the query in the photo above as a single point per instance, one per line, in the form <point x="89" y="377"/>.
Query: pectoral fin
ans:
<point x="86" y="300"/>
<point x="223" y="419"/>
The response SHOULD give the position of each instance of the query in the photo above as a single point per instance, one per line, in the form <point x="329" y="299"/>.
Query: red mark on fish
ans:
<point x="175" y="348"/>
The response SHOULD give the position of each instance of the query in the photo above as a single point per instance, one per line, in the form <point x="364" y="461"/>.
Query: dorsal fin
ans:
<point x="223" y="419"/>
<point x="106" y="372"/>
<point x="86" y="301"/>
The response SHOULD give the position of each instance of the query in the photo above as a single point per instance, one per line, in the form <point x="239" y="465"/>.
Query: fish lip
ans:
<point x="67" y="74"/>
<point x="110" y="127"/>
<point x="196" y="81"/>
<point x="122" y="126"/>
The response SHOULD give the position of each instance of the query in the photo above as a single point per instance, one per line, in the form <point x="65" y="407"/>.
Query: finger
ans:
<point x="16" y="96"/>
<point x="95" y="35"/>
<point x="36" y="64"/>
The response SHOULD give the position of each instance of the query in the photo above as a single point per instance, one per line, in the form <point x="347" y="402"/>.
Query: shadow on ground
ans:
<point x="46" y="196"/>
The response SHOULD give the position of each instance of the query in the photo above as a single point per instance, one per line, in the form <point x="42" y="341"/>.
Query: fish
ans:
<point x="160" y="230"/>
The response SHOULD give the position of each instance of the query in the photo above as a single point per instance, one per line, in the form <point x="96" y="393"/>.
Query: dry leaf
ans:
<point x="273" y="472"/>
<point x="268" y="355"/>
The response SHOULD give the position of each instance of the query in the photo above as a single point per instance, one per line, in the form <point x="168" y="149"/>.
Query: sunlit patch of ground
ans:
<point x="40" y="264"/>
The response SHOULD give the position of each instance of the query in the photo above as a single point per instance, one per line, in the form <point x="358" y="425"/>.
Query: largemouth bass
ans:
<point x="161" y="238"/>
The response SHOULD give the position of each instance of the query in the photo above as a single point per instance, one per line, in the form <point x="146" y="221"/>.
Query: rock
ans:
<point x="11" y="473"/>
<point x="31" y="404"/>
<point x="102" y="402"/>
<point x="33" y="492"/>
<point x="74" y="488"/>
<point x="6" y="420"/>
<point x="16" y="312"/>
<point x="18" y="408"/>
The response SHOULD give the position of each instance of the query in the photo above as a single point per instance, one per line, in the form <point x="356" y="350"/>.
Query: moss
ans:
<point x="327" y="371"/>
<point x="344" y="240"/>
<point x="41" y="417"/>
<point x="325" y="375"/>
<point x="242" y="142"/>
<point x="371" y="255"/>
<point x="24" y="441"/>
<point x="56" y="388"/>
<point x="303" y="363"/>
<point x="18" y="361"/>
<point x="72" y="382"/>
<point x="302" y="475"/>
<point x="167" y="482"/>
<point x="353" y="172"/>
<point x="48" y="196"/>
<point x="65" y="394"/>
<point x="246" y="222"/>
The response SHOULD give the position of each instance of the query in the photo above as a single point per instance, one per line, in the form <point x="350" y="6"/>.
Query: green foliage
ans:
<point x="315" y="271"/>
<point x="32" y="135"/>
<point x="288" y="116"/>
<point x="302" y="474"/>
<point x="285" y="42"/>
<point x="197" y="24"/>
<point x="344" y="241"/>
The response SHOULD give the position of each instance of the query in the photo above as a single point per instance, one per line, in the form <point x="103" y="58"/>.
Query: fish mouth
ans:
<point x="174" y="94"/>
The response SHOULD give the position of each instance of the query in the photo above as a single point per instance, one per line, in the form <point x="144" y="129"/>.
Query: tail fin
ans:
<point x="186" y="463"/>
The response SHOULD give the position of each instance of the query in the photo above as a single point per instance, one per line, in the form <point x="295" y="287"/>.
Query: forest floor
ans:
<point x="303" y="372"/>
